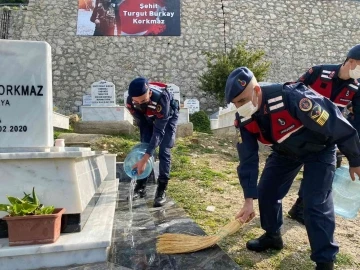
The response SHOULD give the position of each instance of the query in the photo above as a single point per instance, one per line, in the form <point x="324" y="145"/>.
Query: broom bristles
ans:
<point x="171" y="243"/>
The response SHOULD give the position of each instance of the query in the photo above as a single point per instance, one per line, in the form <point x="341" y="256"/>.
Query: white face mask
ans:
<point x="355" y="73"/>
<point x="248" y="109"/>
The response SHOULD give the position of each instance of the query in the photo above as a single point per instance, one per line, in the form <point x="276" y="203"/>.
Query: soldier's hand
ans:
<point x="97" y="21"/>
<point x="246" y="212"/>
<point x="353" y="171"/>
<point x="140" y="166"/>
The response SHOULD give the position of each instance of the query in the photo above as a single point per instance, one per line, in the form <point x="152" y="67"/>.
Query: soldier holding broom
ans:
<point x="302" y="128"/>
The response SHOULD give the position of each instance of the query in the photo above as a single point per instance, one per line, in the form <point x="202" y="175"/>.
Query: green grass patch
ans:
<point x="116" y="145"/>
<point x="343" y="259"/>
<point x="244" y="261"/>
<point x="201" y="149"/>
<point x="189" y="198"/>
<point x="57" y="133"/>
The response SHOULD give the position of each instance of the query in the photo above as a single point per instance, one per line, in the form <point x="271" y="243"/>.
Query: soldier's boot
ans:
<point x="297" y="211"/>
<point x="324" y="266"/>
<point x="160" y="195"/>
<point x="140" y="190"/>
<point x="265" y="242"/>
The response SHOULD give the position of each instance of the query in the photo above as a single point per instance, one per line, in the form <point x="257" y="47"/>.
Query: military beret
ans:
<point x="138" y="87"/>
<point x="237" y="82"/>
<point x="354" y="52"/>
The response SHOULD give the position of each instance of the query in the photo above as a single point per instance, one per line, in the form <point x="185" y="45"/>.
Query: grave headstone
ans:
<point x="103" y="94"/>
<point x="63" y="176"/>
<point x="87" y="100"/>
<point x="192" y="104"/>
<point x="126" y="94"/>
<point x="26" y="107"/>
<point x="175" y="90"/>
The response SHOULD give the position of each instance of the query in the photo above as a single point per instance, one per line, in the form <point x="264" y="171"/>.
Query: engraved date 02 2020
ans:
<point x="13" y="128"/>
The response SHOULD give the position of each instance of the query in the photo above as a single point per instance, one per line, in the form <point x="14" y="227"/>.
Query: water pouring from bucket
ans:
<point x="134" y="156"/>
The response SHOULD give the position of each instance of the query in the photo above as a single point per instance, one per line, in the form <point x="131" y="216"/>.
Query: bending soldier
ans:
<point x="302" y="129"/>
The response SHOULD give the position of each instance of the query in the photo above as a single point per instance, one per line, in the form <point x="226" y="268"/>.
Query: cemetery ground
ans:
<point x="204" y="174"/>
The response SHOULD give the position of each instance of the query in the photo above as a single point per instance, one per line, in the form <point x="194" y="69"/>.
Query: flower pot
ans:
<point x="34" y="229"/>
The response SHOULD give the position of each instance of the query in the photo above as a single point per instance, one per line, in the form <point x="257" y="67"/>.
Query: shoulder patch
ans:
<point x="305" y="104"/>
<point x="319" y="115"/>
<point x="158" y="108"/>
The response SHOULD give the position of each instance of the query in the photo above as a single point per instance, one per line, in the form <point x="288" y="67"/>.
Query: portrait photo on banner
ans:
<point x="128" y="18"/>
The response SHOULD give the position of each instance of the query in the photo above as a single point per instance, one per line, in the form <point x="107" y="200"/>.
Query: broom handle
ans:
<point x="225" y="232"/>
<point x="250" y="218"/>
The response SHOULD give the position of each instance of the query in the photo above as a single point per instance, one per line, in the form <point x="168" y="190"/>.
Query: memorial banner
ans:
<point x="128" y="17"/>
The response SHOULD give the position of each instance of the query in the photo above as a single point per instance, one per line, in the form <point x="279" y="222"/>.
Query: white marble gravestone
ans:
<point x="126" y="94"/>
<point x="87" y="100"/>
<point x="192" y="104"/>
<point x="65" y="177"/>
<point x="27" y="155"/>
<point x="103" y="94"/>
<point x="25" y="94"/>
<point x="175" y="90"/>
<point x="103" y="106"/>
<point x="183" y="116"/>
<point x="103" y="114"/>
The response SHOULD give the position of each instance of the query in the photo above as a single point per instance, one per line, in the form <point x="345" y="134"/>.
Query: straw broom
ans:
<point x="171" y="243"/>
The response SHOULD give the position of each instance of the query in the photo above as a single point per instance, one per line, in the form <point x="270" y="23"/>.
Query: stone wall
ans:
<point x="294" y="33"/>
<point x="16" y="23"/>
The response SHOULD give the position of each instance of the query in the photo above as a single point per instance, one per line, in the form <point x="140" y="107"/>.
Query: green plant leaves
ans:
<point x="24" y="209"/>
<point x="47" y="210"/>
<point x="28" y="205"/>
<point x="14" y="200"/>
<point x="34" y="197"/>
<point x="4" y="207"/>
<point x="27" y="198"/>
<point x="200" y="121"/>
<point x="220" y="65"/>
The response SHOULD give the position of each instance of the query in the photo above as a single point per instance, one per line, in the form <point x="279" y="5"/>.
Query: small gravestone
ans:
<point x="104" y="109"/>
<point x="103" y="94"/>
<point x="192" y="104"/>
<point x="175" y="90"/>
<point x="87" y="100"/>
<point x="126" y="94"/>
<point x="26" y="107"/>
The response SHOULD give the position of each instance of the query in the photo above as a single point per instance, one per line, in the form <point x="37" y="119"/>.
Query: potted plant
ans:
<point x="30" y="222"/>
